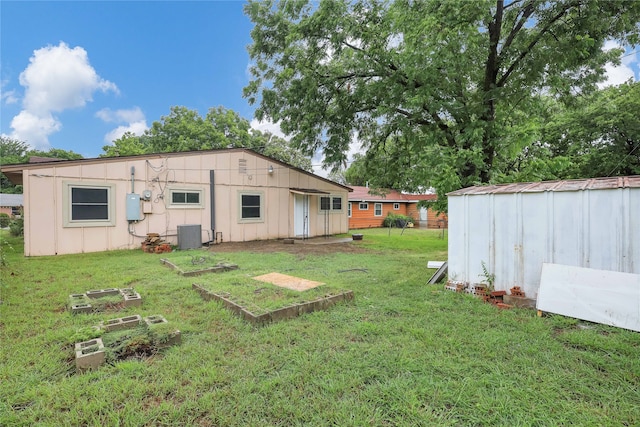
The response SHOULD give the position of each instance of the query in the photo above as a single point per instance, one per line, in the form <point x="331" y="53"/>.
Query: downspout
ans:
<point x="212" y="201"/>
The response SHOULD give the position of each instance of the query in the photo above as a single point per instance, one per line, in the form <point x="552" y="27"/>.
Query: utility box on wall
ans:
<point x="189" y="236"/>
<point x="133" y="207"/>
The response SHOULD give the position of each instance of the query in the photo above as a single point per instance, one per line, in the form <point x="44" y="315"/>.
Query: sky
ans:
<point x="76" y="75"/>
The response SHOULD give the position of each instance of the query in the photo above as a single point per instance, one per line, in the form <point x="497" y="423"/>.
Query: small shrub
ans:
<point x="5" y="219"/>
<point x="16" y="227"/>
<point x="397" y="220"/>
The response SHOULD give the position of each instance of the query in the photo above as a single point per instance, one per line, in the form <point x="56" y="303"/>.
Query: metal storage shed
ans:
<point x="514" y="228"/>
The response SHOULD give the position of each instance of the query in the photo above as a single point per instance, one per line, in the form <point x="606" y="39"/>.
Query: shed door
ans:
<point x="301" y="215"/>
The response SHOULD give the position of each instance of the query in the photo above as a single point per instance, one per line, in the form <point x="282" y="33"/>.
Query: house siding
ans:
<point x="45" y="233"/>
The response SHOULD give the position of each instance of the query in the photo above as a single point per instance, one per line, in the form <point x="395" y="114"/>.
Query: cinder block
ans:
<point x="132" y="300"/>
<point x="131" y="321"/>
<point x="155" y="319"/>
<point x="81" y="308"/>
<point x="120" y="323"/>
<point x="284" y="313"/>
<point x="89" y="354"/>
<point x="99" y="293"/>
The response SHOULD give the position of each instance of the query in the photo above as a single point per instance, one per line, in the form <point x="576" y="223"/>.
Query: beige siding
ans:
<point x="46" y="234"/>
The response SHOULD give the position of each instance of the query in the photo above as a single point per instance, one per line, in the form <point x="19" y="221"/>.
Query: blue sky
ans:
<point x="77" y="74"/>
<point x="113" y="66"/>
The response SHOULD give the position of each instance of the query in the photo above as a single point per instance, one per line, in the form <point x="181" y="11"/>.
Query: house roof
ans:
<point x="11" y="200"/>
<point x="361" y="194"/>
<point x="561" y="185"/>
<point x="14" y="172"/>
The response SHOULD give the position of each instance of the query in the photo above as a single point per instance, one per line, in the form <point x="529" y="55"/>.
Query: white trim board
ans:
<point x="601" y="296"/>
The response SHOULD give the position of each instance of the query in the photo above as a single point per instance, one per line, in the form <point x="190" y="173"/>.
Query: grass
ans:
<point x="402" y="354"/>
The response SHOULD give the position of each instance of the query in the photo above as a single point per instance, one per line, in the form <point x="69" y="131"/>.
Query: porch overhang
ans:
<point x="307" y="191"/>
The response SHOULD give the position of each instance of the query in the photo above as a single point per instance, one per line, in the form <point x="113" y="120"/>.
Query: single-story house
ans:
<point x="11" y="204"/>
<point x="233" y="195"/>
<point x="512" y="229"/>
<point x="368" y="210"/>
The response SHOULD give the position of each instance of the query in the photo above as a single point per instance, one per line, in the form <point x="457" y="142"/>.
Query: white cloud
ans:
<point x="8" y="97"/>
<point x="268" y="126"/>
<point x="618" y="74"/>
<point x="57" y="78"/>
<point x="133" y="121"/>
<point x="34" y="128"/>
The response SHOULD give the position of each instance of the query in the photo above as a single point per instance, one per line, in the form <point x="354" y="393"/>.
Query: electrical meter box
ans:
<point x="133" y="207"/>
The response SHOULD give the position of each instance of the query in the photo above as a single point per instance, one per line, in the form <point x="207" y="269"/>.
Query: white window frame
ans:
<point x="375" y="209"/>
<point x="331" y="198"/>
<point x="173" y="205"/>
<point x="242" y="220"/>
<point x="396" y="206"/>
<point x="365" y="204"/>
<point x="67" y="211"/>
<point x="349" y="210"/>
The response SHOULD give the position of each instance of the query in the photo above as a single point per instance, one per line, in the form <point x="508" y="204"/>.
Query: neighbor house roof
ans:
<point x="361" y="194"/>
<point x="11" y="200"/>
<point x="561" y="185"/>
<point x="14" y="172"/>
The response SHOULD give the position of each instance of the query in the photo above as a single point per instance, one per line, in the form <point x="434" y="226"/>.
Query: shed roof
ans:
<point x="11" y="200"/>
<point x="392" y="196"/>
<point x="561" y="185"/>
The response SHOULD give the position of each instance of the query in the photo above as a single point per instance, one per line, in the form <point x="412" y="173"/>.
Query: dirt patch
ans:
<point x="299" y="248"/>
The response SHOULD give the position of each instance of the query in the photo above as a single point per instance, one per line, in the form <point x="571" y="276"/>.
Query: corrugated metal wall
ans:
<point x="514" y="233"/>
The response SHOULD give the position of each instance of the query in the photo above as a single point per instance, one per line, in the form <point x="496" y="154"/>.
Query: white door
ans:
<point x="301" y="215"/>
<point x="423" y="217"/>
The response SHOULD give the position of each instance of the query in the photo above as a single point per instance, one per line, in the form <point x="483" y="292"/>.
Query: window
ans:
<point x="349" y="210"/>
<point x="396" y="206"/>
<point x="325" y="203"/>
<point x="336" y="203"/>
<point x="363" y="206"/>
<point x="88" y="205"/>
<point x="185" y="198"/>
<point x="251" y="207"/>
<point x="330" y="204"/>
<point x="377" y="209"/>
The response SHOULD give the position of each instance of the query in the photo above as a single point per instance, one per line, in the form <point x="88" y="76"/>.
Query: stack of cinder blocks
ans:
<point x="91" y="354"/>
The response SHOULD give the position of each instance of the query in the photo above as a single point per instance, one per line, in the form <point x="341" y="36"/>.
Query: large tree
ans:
<point x="186" y="130"/>
<point x="434" y="84"/>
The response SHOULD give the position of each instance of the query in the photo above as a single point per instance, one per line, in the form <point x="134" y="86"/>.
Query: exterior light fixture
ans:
<point x="270" y="169"/>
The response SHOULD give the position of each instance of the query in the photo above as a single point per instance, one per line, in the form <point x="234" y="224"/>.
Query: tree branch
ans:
<point x="527" y="11"/>
<point x="532" y="44"/>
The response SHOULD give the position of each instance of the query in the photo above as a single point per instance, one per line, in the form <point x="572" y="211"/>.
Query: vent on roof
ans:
<point x="242" y="166"/>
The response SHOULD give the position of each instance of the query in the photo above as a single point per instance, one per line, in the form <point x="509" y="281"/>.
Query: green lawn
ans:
<point x="403" y="353"/>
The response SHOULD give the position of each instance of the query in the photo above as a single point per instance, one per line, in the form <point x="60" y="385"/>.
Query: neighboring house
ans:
<point x="512" y="229"/>
<point x="367" y="210"/>
<point x="234" y="195"/>
<point x="11" y="204"/>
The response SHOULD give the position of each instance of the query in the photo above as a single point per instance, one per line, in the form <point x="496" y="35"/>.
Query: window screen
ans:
<point x="89" y="204"/>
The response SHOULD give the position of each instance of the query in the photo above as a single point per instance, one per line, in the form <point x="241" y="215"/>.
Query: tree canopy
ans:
<point x="13" y="151"/>
<point x="445" y="93"/>
<point x="185" y="130"/>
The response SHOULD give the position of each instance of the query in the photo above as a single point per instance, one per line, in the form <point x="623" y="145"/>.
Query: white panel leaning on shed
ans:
<point x="514" y="228"/>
